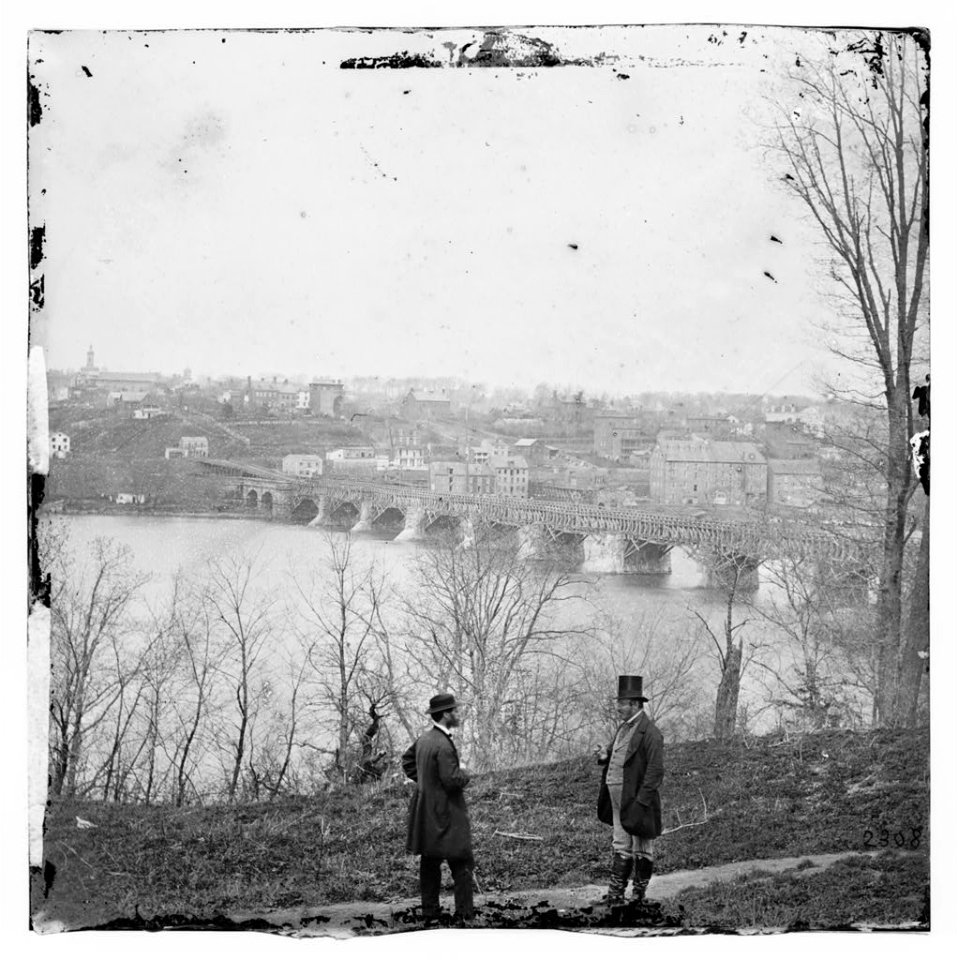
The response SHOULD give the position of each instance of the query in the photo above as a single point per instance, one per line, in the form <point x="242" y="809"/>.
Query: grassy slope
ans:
<point x="764" y="800"/>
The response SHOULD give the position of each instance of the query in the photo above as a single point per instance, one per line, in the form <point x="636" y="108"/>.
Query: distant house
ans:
<point x="794" y="483"/>
<point x="423" y="405"/>
<point x="512" y="476"/>
<point x="137" y="498"/>
<point x="122" y="382"/>
<point x="174" y="453"/>
<point x="534" y="451"/>
<point x="59" y="445"/>
<point x="717" y="428"/>
<point x="616" y="435"/>
<point x="343" y="454"/>
<point x="149" y="413"/>
<point x="486" y="450"/>
<point x="195" y="446"/>
<point x="407" y="458"/>
<point x="456" y="476"/>
<point x="697" y="471"/>
<point x="325" y="398"/>
<point x="303" y="464"/>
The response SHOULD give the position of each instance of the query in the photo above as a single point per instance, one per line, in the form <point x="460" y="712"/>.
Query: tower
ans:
<point x="89" y="359"/>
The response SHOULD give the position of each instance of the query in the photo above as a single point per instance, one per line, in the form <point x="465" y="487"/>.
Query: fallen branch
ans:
<point x="516" y="836"/>
<point x="694" y="823"/>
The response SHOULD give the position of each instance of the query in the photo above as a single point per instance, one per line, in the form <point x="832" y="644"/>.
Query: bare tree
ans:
<point x="855" y="151"/>
<point x="734" y="570"/>
<point x="480" y="616"/>
<point x="244" y="613"/>
<point x="811" y="658"/>
<point x="90" y="623"/>
<point x="663" y="652"/>
<point x="342" y="617"/>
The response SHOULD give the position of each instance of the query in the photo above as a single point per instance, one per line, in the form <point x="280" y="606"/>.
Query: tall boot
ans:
<point x="643" y="874"/>
<point x="618" y="879"/>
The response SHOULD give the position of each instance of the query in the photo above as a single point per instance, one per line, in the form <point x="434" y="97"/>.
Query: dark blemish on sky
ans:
<point x="37" y="236"/>
<point x="622" y="76"/>
<point x="86" y="70"/>
<point x="742" y="36"/>
<point x="774" y="239"/>
<point x="770" y="277"/>
<point x="406" y="91"/>
<point x="574" y="246"/>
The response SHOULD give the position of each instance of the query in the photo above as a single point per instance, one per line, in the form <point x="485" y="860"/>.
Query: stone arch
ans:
<point x="266" y="502"/>
<point x="305" y="511"/>
<point x="392" y="516"/>
<point x="252" y="499"/>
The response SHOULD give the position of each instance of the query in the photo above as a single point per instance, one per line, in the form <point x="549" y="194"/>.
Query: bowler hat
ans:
<point x="442" y="702"/>
<point x="630" y="688"/>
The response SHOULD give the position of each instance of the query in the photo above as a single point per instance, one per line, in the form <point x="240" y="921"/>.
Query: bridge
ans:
<point x="611" y="539"/>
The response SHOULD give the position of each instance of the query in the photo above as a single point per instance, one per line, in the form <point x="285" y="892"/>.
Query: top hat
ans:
<point x="630" y="688"/>
<point x="441" y="703"/>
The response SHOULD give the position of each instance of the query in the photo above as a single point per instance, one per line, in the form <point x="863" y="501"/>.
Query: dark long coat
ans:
<point x="642" y="773"/>
<point x="438" y="824"/>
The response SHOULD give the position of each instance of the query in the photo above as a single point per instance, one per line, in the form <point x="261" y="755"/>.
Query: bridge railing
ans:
<point x="574" y="518"/>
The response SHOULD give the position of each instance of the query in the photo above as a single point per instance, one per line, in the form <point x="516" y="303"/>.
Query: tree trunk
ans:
<point x="889" y="612"/>
<point x="726" y="701"/>
<point x="916" y="640"/>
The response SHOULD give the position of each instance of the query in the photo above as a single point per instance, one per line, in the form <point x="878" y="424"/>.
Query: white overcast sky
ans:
<point x="248" y="207"/>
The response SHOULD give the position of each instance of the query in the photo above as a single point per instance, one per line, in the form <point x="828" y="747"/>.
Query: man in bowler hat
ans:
<point x="632" y="770"/>
<point x="438" y="826"/>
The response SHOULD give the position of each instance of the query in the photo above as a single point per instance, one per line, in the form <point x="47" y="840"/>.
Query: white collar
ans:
<point x="439" y="726"/>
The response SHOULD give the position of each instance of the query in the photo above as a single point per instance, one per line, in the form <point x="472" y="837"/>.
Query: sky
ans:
<point x="235" y="203"/>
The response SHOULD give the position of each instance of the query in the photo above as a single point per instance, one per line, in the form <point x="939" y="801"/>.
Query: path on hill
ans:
<point x="350" y="919"/>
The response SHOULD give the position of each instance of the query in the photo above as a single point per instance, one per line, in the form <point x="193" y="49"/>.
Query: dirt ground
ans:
<point x="573" y="908"/>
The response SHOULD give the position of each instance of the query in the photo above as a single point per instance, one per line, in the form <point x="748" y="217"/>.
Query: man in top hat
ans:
<point x="632" y="772"/>
<point x="438" y="826"/>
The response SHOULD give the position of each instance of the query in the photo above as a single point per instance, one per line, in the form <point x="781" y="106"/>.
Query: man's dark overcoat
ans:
<point x="641" y="810"/>
<point x="438" y="824"/>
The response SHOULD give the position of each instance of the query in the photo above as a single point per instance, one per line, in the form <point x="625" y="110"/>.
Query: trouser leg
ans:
<point x="430" y="880"/>
<point x="462" y="884"/>
<point x="621" y="867"/>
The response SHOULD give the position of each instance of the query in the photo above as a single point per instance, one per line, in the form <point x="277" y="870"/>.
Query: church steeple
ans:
<point x="89" y="359"/>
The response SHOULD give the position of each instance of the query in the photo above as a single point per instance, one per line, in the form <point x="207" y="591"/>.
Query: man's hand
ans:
<point x="600" y="755"/>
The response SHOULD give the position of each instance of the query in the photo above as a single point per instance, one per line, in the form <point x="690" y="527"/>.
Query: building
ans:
<point x="809" y="419"/>
<point x="512" y="476"/>
<point x="326" y="398"/>
<point x="534" y="451"/>
<point x="422" y="405"/>
<point x="616" y="435"/>
<point x="59" y="445"/>
<point x="407" y="458"/>
<point x="788" y="440"/>
<point x="457" y="476"/>
<point x="697" y="471"/>
<point x="149" y="413"/>
<point x="195" y="446"/>
<point x="174" y="453"/>
<point x="486" y="450"/>
<point x="135" y="498"/>
<point x="303" y="464"/>
<point x="794" y="483"/>
<point x="716" y="428"/>
<point x="343" y="454"/>
<point x="122" y="382"/>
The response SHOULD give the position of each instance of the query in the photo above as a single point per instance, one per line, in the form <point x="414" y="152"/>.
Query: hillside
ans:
<point x="825" y="793"/>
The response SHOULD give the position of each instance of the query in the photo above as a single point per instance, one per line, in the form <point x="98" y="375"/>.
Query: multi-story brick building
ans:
<point x="512" y="476"/>
<point x="697" y="471"/>
<point x="794" y="483"/>
<point x="457" y="476"/>
<point x="303" y="464"/>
